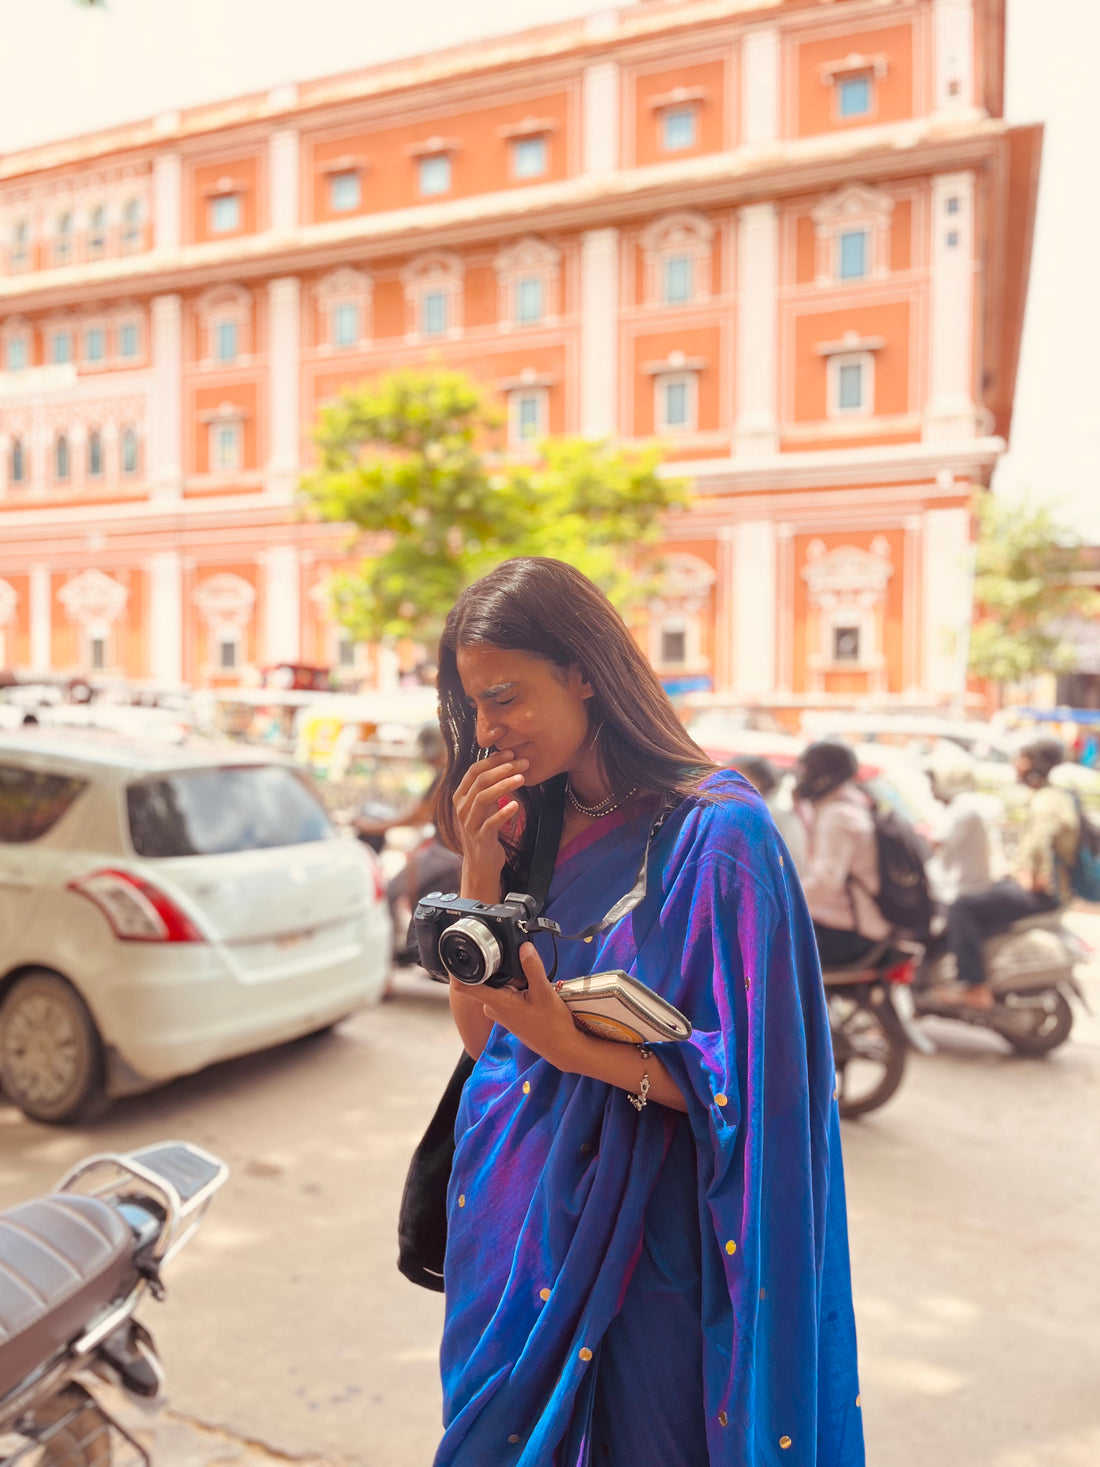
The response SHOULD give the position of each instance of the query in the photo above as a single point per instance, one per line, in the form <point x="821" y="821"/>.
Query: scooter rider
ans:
<point x="1048" y="850"/>
<point x="842" y="875"/>
<point x="963" y="856"/>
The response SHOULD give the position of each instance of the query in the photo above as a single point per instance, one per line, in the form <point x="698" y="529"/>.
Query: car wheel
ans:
<point x="51" y="1058"/>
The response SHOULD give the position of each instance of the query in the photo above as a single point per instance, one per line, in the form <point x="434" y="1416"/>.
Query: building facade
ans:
<point x="790" y="238"/>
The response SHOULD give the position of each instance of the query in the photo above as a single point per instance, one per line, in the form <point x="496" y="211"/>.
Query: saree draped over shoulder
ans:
<point x="648" y="1289"/>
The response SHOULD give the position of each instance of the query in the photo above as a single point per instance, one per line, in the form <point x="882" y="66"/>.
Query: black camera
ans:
<point x="476" y="942"/>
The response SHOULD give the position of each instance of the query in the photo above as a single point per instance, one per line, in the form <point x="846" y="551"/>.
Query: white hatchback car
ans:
<point x="165" y="908"/>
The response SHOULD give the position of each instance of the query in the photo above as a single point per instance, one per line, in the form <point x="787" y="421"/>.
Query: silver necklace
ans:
<point x="604" y="807"/>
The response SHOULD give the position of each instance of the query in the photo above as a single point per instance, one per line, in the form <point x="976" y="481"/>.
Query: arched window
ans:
<point x="131" y="225"/>
<point x="95" y="454"/>
<point x="129" y="450"/>
<point x="63" y="239"/>
<point x="97" y="232"/>
<point x="18" y="462"/>
<point x="61" y="458"/>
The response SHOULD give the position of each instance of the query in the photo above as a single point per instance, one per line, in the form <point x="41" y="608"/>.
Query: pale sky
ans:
<point x="65" y="70"/>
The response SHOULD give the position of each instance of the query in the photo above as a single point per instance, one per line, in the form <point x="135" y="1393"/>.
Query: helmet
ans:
<point x="950" y="770"/>
<point x="1043" y="754"/>
<point x="822" y="768"/>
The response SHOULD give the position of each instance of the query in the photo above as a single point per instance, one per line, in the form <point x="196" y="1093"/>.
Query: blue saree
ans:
<point x="650" y="1289"/>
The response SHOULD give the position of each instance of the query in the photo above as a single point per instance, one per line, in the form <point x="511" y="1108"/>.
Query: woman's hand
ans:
<point x="484" y="804"/>
<point x="536" y="1015"/>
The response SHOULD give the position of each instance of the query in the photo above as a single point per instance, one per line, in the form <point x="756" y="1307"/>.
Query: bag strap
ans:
<point x="547" y="840"/>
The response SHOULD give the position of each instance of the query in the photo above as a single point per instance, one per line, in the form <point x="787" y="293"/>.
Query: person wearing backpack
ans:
<point x="841" y="879"/>
<point x="1046" y="860"/>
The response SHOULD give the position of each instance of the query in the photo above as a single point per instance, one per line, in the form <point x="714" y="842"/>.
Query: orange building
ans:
<point x="791" y="238"/>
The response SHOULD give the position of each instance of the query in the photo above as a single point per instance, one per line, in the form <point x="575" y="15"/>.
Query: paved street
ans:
<point x="974" y="1199"/>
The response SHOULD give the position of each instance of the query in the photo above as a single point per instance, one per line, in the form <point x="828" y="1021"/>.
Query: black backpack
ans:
<point x="904" y="897"/>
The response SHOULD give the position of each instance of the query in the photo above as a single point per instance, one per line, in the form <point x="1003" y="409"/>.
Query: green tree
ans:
<point x="408" y="460"/>
<point x="1024" y="591"/>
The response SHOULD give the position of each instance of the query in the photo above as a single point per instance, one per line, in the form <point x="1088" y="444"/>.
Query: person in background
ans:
<point x="762" y="774"/>
<point x="1048" y="850"/>
<point x="840" y="879"/>
<point x="963" y="846"/>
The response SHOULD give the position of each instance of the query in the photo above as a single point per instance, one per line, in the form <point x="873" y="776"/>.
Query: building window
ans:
<point x="95" y="344"/>
<point x="131" y="226"/>
<point x="435" y="173"/>
<point x="344" y="191"/>
<point x="129" y="451"/>
<point x="97" y="232"/>
<point x="852" y="254"/>
<point x="225" y="213"/>
<point x="851" y="384"/>
<point x="345" y="649"/>
<point x="677" y="282"/>
<point x="229" y="651"/>
<point x="677" y="128"/>
<point x="675" y="407"/>
<point x="854" y="95"/>
<point x="953" y="204"/>
<point x="225" y="447"/>
<point x="952" y="240"/>
<point x="225" y="341"/>
<point x="128" y="339"/>
<point x="17" y="353"/>
<point x="63" y="239"/>
<point x="433" y="313"/>
<point x="97" y="653"/>
<point x="527" y="416"/>
<point x="529" y="157"/>
<point x="345" y="324"/>
<point x="61" y="458"/>
<point x="529" y="299"/>
<point x="18" y="462"/>
<point x="61" y="348"/>
<point x="20" y="245"/>
<point x="846" y="643"/>
<point x="95" y="454"/>
<point x="673" y="646"/>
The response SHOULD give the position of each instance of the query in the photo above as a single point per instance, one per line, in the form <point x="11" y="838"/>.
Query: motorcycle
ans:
<point x="1031" y="971"/>
<point x="870" y="1016"/>
<point x="74" y="1267"/>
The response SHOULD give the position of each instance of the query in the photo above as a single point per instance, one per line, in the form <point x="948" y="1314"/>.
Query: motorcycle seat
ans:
<point x="1047" y="920"/>
<point x="64" y="1260"/>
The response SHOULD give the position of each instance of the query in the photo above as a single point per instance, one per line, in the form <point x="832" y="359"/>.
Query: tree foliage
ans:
<point x="1024" y="591"/>
<point x="409" y="460"/>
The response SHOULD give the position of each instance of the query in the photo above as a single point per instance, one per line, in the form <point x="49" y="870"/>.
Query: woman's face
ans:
<point x="528" y="705"/>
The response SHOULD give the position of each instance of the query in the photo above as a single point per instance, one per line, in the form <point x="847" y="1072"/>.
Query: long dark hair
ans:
<point x="549" y="609"/>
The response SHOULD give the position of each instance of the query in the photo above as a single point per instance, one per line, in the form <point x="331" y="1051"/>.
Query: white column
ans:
<point x="167" y="190"/>
<point x="757" y="428"/>
<point x="949" y="414"/>
<point x="601" y="117"/>
<point x="41" y="606"/>
<point x="284" y="306"/>
<point x="754" y="607"/>
<point x="165" y="456"/>
<point x="723" y="610"/>
<point x="953" y="44"/>
<point x="282" y="605"/>
<point x="283" y="169"/>
<point x="948" y="600"/>
<point x="599" y="333"/>
<point x="911" y="604"/>
<point x="166" y="617"/>
<point x="760" y="87"/>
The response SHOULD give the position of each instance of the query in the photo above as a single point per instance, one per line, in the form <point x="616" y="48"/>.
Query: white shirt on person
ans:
<point x="964" y="860"/>
<point x="841" y="875"/>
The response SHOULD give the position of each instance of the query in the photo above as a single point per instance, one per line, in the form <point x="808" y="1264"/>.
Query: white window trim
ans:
<point x="661" y="380"/>
<point x="518" y="141"/>
<point x="669" y="106"/>
<point x="61" y="328"/>
<point x="854" y="207"/>
<point x="345" y="170"/>
<point x="344" y="287"/>
<point x="430" y="157"/>
<point x="125" y="247"/>
<point x="88" y="473"/>
<point x="834" y="362"/>
<point x="677" y="234"/>
<point x="16" y="329"/>
<point x="542" y="396"/>
<point x="213" y="199"/>
<point x="527" y="257"/>
<point x="123" y="471"/>
<point x="224" y="303"/>
<point x="95" y="323"/>
<point x="218" y="423"/>
<point x="437" y="271"/>
<point x="18" y="261"/>
<point x="122" y="320"/>
<point x="868" y="253"/>
<point x="849" y="614"/>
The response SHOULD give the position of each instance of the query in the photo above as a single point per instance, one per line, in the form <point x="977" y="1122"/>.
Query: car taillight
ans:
<point x="136" y="909"/>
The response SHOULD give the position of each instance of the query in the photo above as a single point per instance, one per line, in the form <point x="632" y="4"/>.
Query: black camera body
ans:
<point x="476" y="942"/>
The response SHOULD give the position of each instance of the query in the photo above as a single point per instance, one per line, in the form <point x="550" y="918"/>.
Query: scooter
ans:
<point x="74" y="1267"/>
<point x="870" y="1016"/>
<point x="1031" y="971"/>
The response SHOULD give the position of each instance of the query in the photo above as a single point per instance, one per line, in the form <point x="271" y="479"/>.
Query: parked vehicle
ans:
<point x="1031" y="971"/>
<point x="869" y="1009"/>
<point x="164" y="908"/>
<point x="74" y="1267"/>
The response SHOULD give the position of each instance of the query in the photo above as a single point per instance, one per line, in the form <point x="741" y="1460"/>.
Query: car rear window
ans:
<point x="206" y="812"/>
<point x="32" y="802"/>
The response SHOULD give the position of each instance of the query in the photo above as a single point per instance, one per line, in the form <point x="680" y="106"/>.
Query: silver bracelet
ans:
<point x="639" y="1101"/>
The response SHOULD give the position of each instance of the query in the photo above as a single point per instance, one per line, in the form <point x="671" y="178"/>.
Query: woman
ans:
<point x="668" y="1284"/>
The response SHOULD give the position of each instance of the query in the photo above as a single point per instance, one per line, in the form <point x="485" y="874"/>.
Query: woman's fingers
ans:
<point x="538" y="985"/>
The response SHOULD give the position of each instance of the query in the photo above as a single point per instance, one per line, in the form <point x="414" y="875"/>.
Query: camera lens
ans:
<point x="469" y="951"/>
